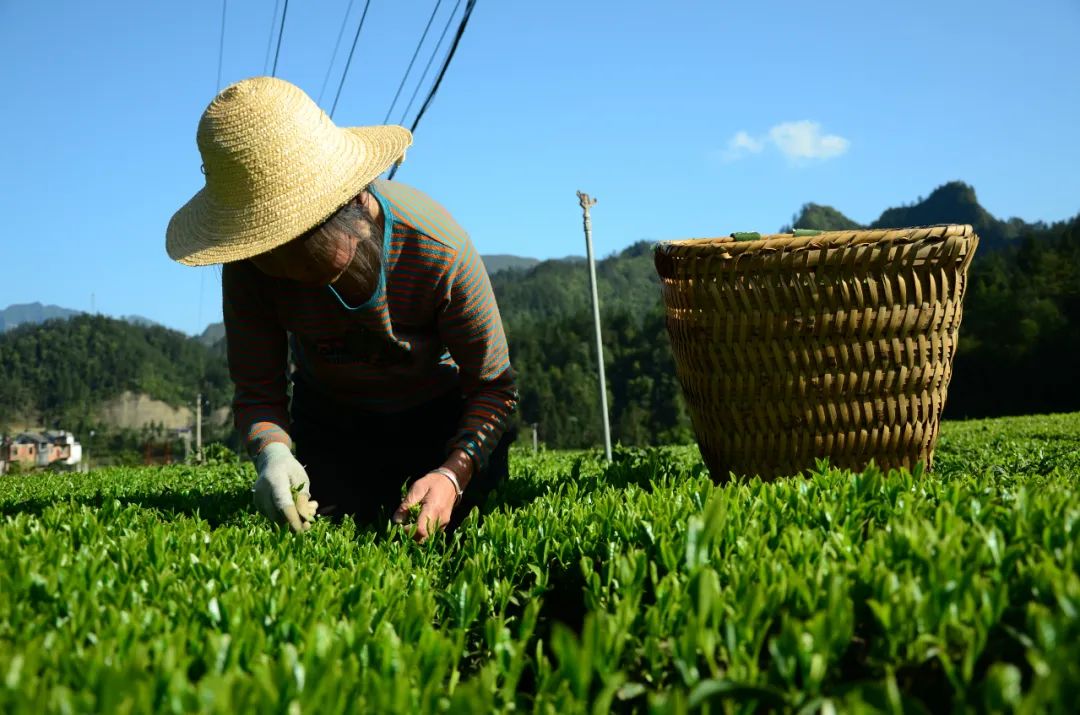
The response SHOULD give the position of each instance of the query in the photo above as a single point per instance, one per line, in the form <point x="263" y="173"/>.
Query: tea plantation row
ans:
<point x="638" y="586"/>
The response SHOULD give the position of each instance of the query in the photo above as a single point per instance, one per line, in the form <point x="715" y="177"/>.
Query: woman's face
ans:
<point x="315" y="259"/>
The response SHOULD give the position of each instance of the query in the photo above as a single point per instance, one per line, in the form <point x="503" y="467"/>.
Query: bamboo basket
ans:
<point x="794" y="348"/>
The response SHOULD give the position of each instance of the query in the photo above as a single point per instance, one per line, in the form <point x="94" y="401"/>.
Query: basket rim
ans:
<point x="824" y="239"/>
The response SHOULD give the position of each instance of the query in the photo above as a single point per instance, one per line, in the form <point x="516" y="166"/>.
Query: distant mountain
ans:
<point x="139" y="320"/>
<point x="824" y="218"/>
<point x="15" y="315"/>
<point x="500" y="261"/>
<point x="213" y="333"/>
<point x="36" y="313"/>
<point x="953" y="202"/>
<point x="62" y="371"/>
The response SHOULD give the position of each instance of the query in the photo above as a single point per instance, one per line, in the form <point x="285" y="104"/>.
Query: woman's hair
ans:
<point x="355" y="221"/>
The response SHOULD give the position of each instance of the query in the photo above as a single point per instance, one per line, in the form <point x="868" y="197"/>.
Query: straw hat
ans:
<point x="275" y="166"/>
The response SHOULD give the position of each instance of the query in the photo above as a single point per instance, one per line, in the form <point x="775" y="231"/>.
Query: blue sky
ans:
<point x="683" y="119"/>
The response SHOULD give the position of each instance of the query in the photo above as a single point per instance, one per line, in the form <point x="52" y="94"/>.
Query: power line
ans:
<point x="270" y="39"/>
<point x="415" y="53"/>
<point x="281" y="32"/>
<point x="442" y="73"/>
<point x="349" y="61"/>
<point x="202" y="273"/>
<point x="446" y="64"/>
<point x="431" y="60"/>
<point x="333" y="56"/>
<point x="221" y="44"/>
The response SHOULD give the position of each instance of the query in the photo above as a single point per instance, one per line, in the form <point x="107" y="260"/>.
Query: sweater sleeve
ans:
<point x="257" y="348"/>
<point x="472" y="329"/>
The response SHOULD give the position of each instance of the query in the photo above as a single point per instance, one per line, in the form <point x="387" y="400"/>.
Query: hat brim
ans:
<point x="204" y="233"/>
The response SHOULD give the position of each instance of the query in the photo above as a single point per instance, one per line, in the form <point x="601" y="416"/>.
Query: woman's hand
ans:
<point x="436" y="496"/>
<point x="282" y="490"/>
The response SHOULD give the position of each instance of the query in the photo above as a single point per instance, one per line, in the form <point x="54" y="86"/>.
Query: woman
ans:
<point x="374" y="297"/>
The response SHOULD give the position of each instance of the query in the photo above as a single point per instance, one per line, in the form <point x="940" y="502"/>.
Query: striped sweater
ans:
<point x="431" y="325"/>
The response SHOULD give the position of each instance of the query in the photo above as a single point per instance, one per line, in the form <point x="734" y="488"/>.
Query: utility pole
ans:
<point x="586" y="202"/>
<point x="198" y="429"/>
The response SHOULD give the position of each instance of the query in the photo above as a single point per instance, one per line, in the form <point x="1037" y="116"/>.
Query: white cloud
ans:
<point x="798" y="141"/>
<point x="742" y="144"/>
<point x="804" y="140"/>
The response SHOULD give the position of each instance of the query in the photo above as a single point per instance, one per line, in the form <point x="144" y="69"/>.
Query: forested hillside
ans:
<point x="1019" y="338"/>
<point x="1018" y="344"/>
<point x="548" y="316"/>
<point x="63" y="369"/>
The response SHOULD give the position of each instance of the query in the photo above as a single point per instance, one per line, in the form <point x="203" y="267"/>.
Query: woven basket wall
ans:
<point x="837" y="345"/>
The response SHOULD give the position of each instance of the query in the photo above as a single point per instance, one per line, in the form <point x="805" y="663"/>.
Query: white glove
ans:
<point x="280" y="476"/>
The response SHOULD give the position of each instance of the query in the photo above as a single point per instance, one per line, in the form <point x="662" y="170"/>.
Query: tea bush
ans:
<point x="586" y="587"/>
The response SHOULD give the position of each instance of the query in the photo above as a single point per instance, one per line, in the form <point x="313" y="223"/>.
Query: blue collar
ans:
<point x="388" y="231"/>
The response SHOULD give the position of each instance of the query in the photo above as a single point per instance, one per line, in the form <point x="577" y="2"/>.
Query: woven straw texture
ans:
<point x="838" y="345"/>
<point x="275" y="166"/>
